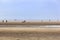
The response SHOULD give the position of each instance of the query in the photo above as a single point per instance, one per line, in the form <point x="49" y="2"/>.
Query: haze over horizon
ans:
<point x="30" y="9"/>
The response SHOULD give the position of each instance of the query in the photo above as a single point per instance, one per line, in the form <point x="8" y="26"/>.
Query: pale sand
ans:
<point x="15" y="29"/>
<point x="12" y="33"/>
<point x="29" y="36"/>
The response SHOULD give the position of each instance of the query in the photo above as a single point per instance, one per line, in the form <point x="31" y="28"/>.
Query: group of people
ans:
<point x="7" y="21"/>
<point x="4" y="21"/>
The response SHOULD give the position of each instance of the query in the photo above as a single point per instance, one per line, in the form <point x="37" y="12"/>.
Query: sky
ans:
<point x="30" y="9"/>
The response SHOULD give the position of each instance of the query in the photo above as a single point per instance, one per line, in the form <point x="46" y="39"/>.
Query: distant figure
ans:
<point x="15" y="19"/>
<point x="24" y="21"/>
<point x="49" y="20"/>
<point x="41" y="20"/>
<point x="6" y="21"/>
<point x="3" y="21"/>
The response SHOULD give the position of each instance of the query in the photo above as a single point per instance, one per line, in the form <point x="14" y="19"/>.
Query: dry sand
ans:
<point x="12" y="33"/>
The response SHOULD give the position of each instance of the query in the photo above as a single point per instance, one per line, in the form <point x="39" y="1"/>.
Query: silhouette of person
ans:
<point x="24" y="21"/>
<point x="2" y="20"/>
<point x="6" y="21"/>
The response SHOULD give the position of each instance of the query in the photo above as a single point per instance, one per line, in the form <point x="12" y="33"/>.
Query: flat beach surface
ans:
<point x="20" y="33"/>
<point x="29" y="32"/>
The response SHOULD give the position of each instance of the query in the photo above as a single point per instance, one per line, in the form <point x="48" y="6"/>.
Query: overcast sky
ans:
<point x="29" y="9"/>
